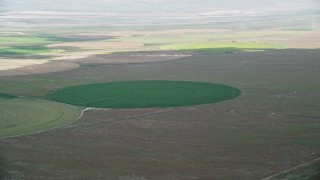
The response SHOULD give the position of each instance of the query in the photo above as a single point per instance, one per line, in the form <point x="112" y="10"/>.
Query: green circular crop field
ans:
<point x="23" y="116"/>
<point x="144" y="94"/>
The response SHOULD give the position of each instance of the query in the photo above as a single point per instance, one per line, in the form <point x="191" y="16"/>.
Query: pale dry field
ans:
<point x="92" y="51"/>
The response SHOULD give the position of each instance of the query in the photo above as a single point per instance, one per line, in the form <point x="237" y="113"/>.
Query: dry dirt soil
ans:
<point x="271" y="127"/>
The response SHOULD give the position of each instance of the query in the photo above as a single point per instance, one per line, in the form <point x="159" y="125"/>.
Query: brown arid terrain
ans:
<point x="269" y="131"/>
<point x="271" y="127"/>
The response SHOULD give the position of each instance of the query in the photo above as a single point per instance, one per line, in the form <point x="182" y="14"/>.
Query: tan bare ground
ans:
<point x="300" y="40"/>
<point x="126" y="34"/>
<point x="74" y="55"/>
<point x="11" y="64"/>
<point x="108" y="46"/>
<point x="47" y="67"/>
<point x="166" y="32"/>
<point x="12" y="67"/>
<point x="6" y="64"/>
<point x="115" y="34"/>
<point x="185" y="31"/>
<point x="123" y="58"/>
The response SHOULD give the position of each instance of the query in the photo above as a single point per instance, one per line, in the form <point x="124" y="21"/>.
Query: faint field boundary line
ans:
<point x="292" y="169"/>
<point x="69" y="125"/>
<point x="126" y="118"/>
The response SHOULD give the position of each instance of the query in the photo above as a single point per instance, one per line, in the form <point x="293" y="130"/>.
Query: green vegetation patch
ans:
<point x="21" y="46"/>
<point x="222" y="45"/>
<point x="23" y="116"/>
<point x="25" y="50"/>
<point x="7" y="96"/>
<point x="144" y="94"/>
<point x="25" y="40"/>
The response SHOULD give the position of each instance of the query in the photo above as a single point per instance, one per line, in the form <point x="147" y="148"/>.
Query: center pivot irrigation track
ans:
<point x="25" y="116"/>
<point x="144" y="94"/>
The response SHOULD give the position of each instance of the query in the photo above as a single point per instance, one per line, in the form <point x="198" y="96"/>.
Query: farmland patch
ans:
<point x="145" y="94"/>
<point x="24" y="116"/>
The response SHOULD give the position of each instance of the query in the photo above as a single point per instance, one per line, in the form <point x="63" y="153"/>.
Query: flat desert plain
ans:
<point x="268" y="128"/>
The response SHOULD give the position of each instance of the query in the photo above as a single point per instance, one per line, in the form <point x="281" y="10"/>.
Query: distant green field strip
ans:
<point x="21" y="40"/>
<point x="144" y="94"/>
<point x="23" y="116"/>
<point x="221" y="45"/>
<point x="25" y="50"/>
<point x="7" y="96"/>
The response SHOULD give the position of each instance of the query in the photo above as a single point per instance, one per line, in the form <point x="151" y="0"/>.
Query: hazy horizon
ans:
<point x="157" y="5"/>
<point x="123" y="13"/>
